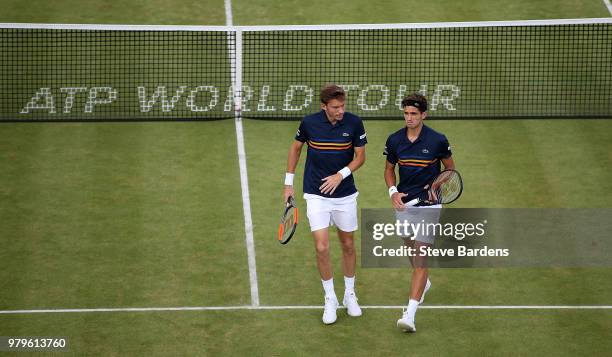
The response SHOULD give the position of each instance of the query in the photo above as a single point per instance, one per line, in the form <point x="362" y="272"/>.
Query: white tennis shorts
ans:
<point x="422" y="215"/>
<point x="323" y="212"/>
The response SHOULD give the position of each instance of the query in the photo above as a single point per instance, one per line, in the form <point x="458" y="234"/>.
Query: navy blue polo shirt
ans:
<point x="418" y="161"/>
<point x="330" y="148"/>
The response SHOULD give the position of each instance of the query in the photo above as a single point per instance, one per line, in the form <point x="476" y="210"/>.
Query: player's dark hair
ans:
<point x="415" y="100"/>
<point x="331" y="91"/>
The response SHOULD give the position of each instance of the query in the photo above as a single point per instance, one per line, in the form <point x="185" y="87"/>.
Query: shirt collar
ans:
<point x="422" y="134"/>
<point x="325" y="120"/>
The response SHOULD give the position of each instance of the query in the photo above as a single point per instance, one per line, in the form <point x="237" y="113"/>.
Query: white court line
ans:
<point x="235" y="54"/>
<point x="309" y="307"/>
<point x="229" y="19"/>
<point x="608" y="5"/>
<point x="248" y="221"/>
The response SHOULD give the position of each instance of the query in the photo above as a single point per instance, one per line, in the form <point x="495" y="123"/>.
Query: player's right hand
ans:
<point x="396" y="200"/>
<point x="287" y="192"/>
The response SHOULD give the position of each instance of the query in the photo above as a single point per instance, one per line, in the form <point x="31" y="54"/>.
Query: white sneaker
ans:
<point x="406" y="323"/>
<point x="329" y="311"/>
<point x="350" y="302"/>
<point x="427" y="286"/>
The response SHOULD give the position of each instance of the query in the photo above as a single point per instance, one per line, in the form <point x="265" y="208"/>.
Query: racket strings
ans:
<point x="289" y="221"/>
<point x="448" y="186"/>
<point x="288" y="224"/>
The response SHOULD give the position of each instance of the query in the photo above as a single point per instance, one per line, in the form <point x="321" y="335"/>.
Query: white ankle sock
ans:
<point x="412" y="308"/>
<point x="349" y="283"/>
<point x="328" y="286"/>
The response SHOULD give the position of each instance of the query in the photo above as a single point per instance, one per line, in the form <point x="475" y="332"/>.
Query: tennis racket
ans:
<point x="445" y="188"/>
<point x="288" y="222"/>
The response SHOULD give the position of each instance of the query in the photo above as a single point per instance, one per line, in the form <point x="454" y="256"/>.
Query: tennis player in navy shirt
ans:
<point x="336" y="148"/>
<point x="418" y="151"/>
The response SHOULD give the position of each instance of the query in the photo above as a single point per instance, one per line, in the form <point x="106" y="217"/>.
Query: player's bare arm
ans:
<point x="292" y="160"/>
<point x="330" y="183"/>
<point x="448" y="163"/>
<point x="390" y="179"/>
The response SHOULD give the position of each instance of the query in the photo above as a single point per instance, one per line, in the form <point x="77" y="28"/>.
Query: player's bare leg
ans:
<point x="349" y="259"/>
<point x="419" y="281"/>
<point x="321" y="241"/>
<point x="420" y="273"/>
<point x="417" y="276"/>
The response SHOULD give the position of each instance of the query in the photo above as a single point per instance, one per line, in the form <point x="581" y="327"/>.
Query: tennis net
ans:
<point x="529" y="69"/>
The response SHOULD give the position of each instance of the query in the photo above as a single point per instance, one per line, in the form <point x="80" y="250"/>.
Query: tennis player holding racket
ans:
<point x="418" y="151"/>
<point x="336" y="148"/>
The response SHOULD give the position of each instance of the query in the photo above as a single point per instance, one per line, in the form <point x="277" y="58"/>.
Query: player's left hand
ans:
<point x="396" y="200"/>
<point x="330" y="183"/>
<point x="287" y="191"/>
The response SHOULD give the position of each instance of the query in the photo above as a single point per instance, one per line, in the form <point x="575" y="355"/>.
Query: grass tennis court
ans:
<point x="112" y="215"/>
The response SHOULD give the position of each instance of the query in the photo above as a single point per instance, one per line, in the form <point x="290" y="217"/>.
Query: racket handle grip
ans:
<point x="411" y="202"/>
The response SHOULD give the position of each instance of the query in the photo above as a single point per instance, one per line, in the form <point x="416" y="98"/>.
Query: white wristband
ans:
<point x="392" y="190"/>
<point x="345" y="172"/>
<point x="289" y="179"/>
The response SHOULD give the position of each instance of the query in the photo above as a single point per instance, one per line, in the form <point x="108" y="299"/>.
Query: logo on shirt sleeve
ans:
<point x="362" y="136"/>
<point x="385" y="151"/>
